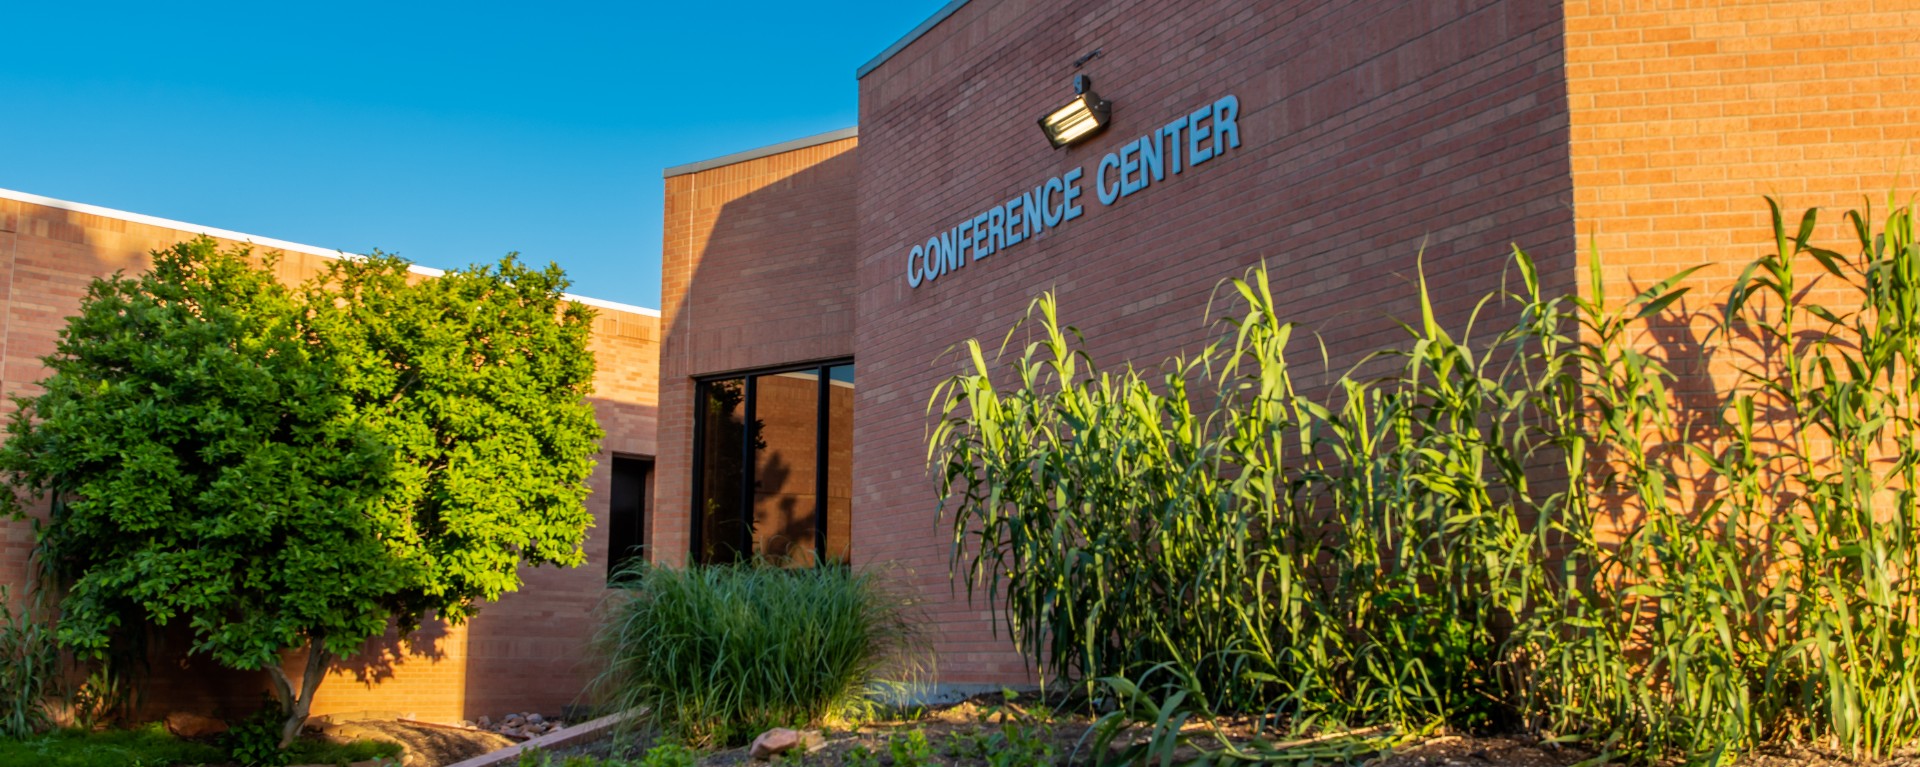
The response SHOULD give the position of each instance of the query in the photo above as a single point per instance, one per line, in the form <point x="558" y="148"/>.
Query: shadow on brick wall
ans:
<point x="531" y="651"/>
<point x="769" y="280"/>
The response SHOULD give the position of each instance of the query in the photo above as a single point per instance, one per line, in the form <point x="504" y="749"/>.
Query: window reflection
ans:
<point x="723" y="434"/>
<point x="774" y="476"/>
<point x="786" y="412"/>
<point x="839" y="469"/>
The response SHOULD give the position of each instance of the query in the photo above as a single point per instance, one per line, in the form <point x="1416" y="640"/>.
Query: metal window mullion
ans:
<point x="821" y="456"/>
<point x="699" y="471"/>
<point x="750" y="432"/>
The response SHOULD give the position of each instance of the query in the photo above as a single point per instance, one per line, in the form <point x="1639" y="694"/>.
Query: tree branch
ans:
<point x="282" y="686"/>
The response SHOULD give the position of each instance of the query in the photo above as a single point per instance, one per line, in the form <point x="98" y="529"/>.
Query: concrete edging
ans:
<point x="586" y="732"/>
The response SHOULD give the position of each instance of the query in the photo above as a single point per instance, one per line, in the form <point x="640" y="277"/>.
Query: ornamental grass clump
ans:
<point x="30" y="667"/>
<point x="716" y="655"/>
<point x="1541" y="528"/>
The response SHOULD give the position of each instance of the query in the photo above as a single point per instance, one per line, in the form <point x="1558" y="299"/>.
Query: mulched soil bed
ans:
<point x="1069" y="733"/>
<point x="965" y="719"/>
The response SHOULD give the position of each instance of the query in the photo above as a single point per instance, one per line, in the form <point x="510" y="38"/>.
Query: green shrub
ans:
<point x="1398" y="550"/>
<point x="860" y="756"/>
<point x="255" y="740"/>
<point x="29" y="669"/>
<point x="719" y="654"/>
<point x="911" y="749"/>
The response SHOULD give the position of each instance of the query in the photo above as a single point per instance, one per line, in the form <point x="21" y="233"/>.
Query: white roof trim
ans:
<point x="265" y="242"/>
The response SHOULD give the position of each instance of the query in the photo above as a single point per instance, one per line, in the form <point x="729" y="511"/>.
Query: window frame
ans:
<point x="821" y="450"/>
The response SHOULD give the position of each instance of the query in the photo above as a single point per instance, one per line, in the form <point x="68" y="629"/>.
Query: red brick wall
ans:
<point x="1369" y="130"/>
<point x="522" y="653"/>
<point x="758" y="271"/>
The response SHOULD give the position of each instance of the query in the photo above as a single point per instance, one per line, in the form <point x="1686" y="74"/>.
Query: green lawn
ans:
<point x="153" y="746"/>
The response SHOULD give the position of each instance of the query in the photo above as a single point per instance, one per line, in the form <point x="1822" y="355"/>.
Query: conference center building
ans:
<point x="1129" y="155"/>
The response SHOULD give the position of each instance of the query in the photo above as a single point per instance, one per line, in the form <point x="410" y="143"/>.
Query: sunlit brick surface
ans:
<point x="1685" y="115"/>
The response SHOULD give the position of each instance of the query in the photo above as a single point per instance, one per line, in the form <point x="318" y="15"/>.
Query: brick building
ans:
<point x="811" y="288"/>
<point x="522" y="653"/>
<point x="1332" y="141"/>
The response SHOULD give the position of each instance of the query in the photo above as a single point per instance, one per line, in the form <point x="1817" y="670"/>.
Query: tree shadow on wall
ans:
<point x="532" y="649"/>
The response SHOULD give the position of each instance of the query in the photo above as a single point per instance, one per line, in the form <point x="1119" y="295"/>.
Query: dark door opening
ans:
<point x="627" y="512"/>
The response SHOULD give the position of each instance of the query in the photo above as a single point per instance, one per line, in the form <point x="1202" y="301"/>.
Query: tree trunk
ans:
<point x="297" y="705"/>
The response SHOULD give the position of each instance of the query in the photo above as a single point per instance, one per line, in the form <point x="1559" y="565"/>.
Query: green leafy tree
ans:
<point x="204" y="468"/>
<point x="478" y="381"/>
<point x="289" y="470"/>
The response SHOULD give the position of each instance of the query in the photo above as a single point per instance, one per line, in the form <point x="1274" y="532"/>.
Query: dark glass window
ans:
<point x="627" y="512"/>
<point x="773" y="465"/>
<point x="720" y="535"/>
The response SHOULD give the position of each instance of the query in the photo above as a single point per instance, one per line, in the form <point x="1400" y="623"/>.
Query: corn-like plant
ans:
<point x="1540" y="527"/>
<point x="1758" y="586"/>
<point x="1355" y="560"/>
<point x="716" y="655"/>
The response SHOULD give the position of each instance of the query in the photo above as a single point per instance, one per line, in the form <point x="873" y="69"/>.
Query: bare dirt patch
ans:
<point x="426" y="745"/>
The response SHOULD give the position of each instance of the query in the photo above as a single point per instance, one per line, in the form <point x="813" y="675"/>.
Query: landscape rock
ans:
<point x="186" y="725"/>
<point x="521" y="725"/>
<point x="774" y="742"/>
<point x="780" y="740"/>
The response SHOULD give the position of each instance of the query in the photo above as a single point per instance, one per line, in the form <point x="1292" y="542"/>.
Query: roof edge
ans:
<point x="264" y="242"/>
<point x="765" y="151"/>
<point x="902" y="43"/>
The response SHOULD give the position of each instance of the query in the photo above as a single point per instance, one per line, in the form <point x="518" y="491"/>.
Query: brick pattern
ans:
<point x="1371" y="131"/>
<point x="524" y="652"/>
<point x="1685" y="115"/>
<point x="757" y="262"/>
<point x="1683" y="118"/>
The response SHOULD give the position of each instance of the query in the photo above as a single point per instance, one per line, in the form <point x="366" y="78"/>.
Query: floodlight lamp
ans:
<point x="1082" y="117"/>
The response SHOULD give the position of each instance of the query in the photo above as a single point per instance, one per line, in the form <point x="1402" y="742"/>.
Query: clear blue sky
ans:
<point x="449" y="133"/>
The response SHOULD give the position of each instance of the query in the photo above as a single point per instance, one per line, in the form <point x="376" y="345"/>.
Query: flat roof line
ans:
<point x="901" y="44"/>
<point x="265" y="242"/>
<point x="765" y="151"/>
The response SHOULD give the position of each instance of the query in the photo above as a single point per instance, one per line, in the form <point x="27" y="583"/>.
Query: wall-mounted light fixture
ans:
<point x="1082" y="117"/>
